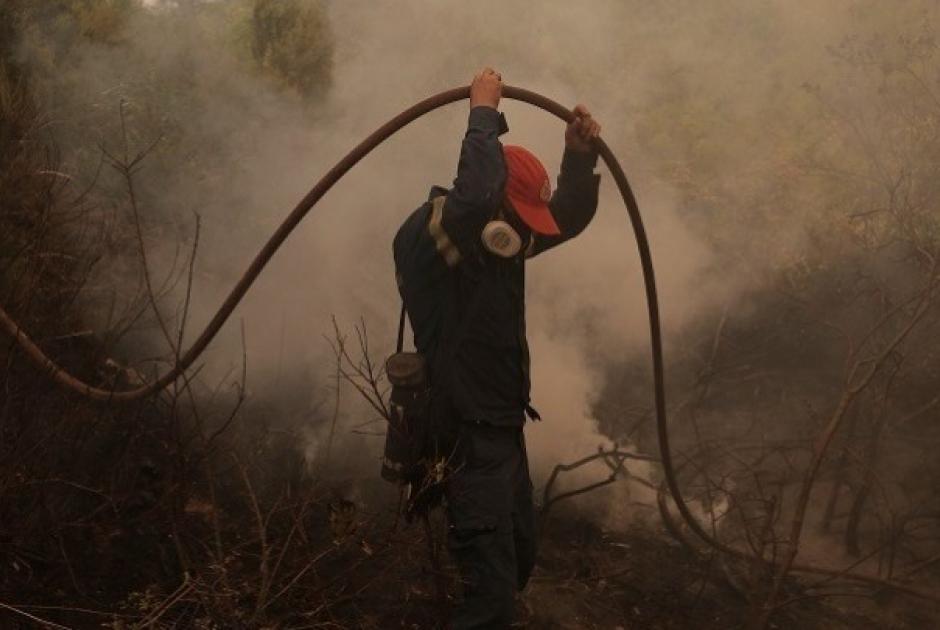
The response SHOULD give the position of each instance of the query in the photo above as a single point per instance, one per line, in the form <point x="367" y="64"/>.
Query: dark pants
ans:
<point x="492" y="523"/>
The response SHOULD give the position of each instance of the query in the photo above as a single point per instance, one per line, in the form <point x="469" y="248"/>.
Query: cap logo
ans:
<point x="546" y="193"/>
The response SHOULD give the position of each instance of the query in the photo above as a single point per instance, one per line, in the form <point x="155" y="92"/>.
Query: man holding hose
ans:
<point x="461" y="263"/>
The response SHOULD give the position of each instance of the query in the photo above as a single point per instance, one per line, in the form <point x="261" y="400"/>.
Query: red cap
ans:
<point x="528" y="190"/>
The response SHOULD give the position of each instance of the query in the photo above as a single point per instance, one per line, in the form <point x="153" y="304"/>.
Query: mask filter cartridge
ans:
<point x="500" y="239"/>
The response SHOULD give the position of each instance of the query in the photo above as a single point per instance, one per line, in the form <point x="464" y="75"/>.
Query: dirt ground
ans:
<point x="589" y="579"/>
<point x="359" y="570"/>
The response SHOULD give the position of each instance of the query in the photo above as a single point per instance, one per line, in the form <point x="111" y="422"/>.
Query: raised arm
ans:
<point x="481" y="171"/>
<point x="574" y="201"/>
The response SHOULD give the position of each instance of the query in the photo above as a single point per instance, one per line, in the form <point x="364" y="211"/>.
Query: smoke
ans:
<point x="585" y="292"/>
<point x="716" y="85"/>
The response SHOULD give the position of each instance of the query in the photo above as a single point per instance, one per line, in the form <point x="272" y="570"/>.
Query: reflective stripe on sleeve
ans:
<point x="445" y="247"/>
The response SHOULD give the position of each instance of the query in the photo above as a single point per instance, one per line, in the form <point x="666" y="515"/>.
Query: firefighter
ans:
<point x="460" y="260"/>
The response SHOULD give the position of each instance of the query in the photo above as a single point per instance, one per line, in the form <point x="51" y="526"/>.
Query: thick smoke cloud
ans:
<point x="586" y="304"/>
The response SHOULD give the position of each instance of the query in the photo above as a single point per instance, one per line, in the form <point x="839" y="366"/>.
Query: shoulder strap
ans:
<point x="444" y="246"/>
<point x="401" y="329"/>
<point x="451" y="256"/>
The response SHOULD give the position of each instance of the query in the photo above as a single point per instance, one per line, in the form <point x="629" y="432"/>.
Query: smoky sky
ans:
<point x="741" y="62"/>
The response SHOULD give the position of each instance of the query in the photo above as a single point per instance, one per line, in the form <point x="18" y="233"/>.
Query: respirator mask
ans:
<point x="501" y="238"/>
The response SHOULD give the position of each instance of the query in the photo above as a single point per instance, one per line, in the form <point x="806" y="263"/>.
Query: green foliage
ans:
<point x="291" y="40"/>
<point x="43" y="256"/>
<point x="8" y="25"/>
<point x="70" y="21"/>
<point x="187" y="75"/>
<point x="791" y="144"/>
<point x="101" y="21"/>
<point x="19" y="155"/>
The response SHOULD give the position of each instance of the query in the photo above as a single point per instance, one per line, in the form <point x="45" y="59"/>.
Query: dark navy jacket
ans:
<point x="455" y="291"/>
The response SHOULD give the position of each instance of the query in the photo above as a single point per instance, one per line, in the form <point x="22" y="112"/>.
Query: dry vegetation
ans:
<point x="805" y="423"/>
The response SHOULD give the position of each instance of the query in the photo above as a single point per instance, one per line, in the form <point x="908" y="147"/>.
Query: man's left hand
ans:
<point x="580" y="133"/>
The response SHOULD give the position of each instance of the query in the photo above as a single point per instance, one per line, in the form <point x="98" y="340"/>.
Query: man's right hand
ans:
<point x="486" y="89"/>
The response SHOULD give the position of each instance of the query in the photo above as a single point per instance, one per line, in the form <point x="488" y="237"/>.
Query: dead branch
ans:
<point x="851" y="391"/>
<point x="44" y="622"/>
<point x="362" y="374"/>
<point x="613" y="458"/>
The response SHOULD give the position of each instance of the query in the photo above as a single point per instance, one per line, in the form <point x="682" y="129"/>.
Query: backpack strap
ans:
<point x="452" y="257"/>
<point x="445" y="248"/>
<point x="400" y="346"/>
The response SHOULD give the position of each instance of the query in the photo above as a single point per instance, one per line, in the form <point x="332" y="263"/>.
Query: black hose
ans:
<point x="326" y="182"/>
<point x="315" y="194"/>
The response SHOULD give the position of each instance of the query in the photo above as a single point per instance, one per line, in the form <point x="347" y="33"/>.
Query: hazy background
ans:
<point x="709" y="106"/>
<point x="786" y="158"/>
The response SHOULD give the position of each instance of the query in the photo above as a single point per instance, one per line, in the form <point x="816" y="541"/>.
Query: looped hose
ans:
<point x="65" y="379"/>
